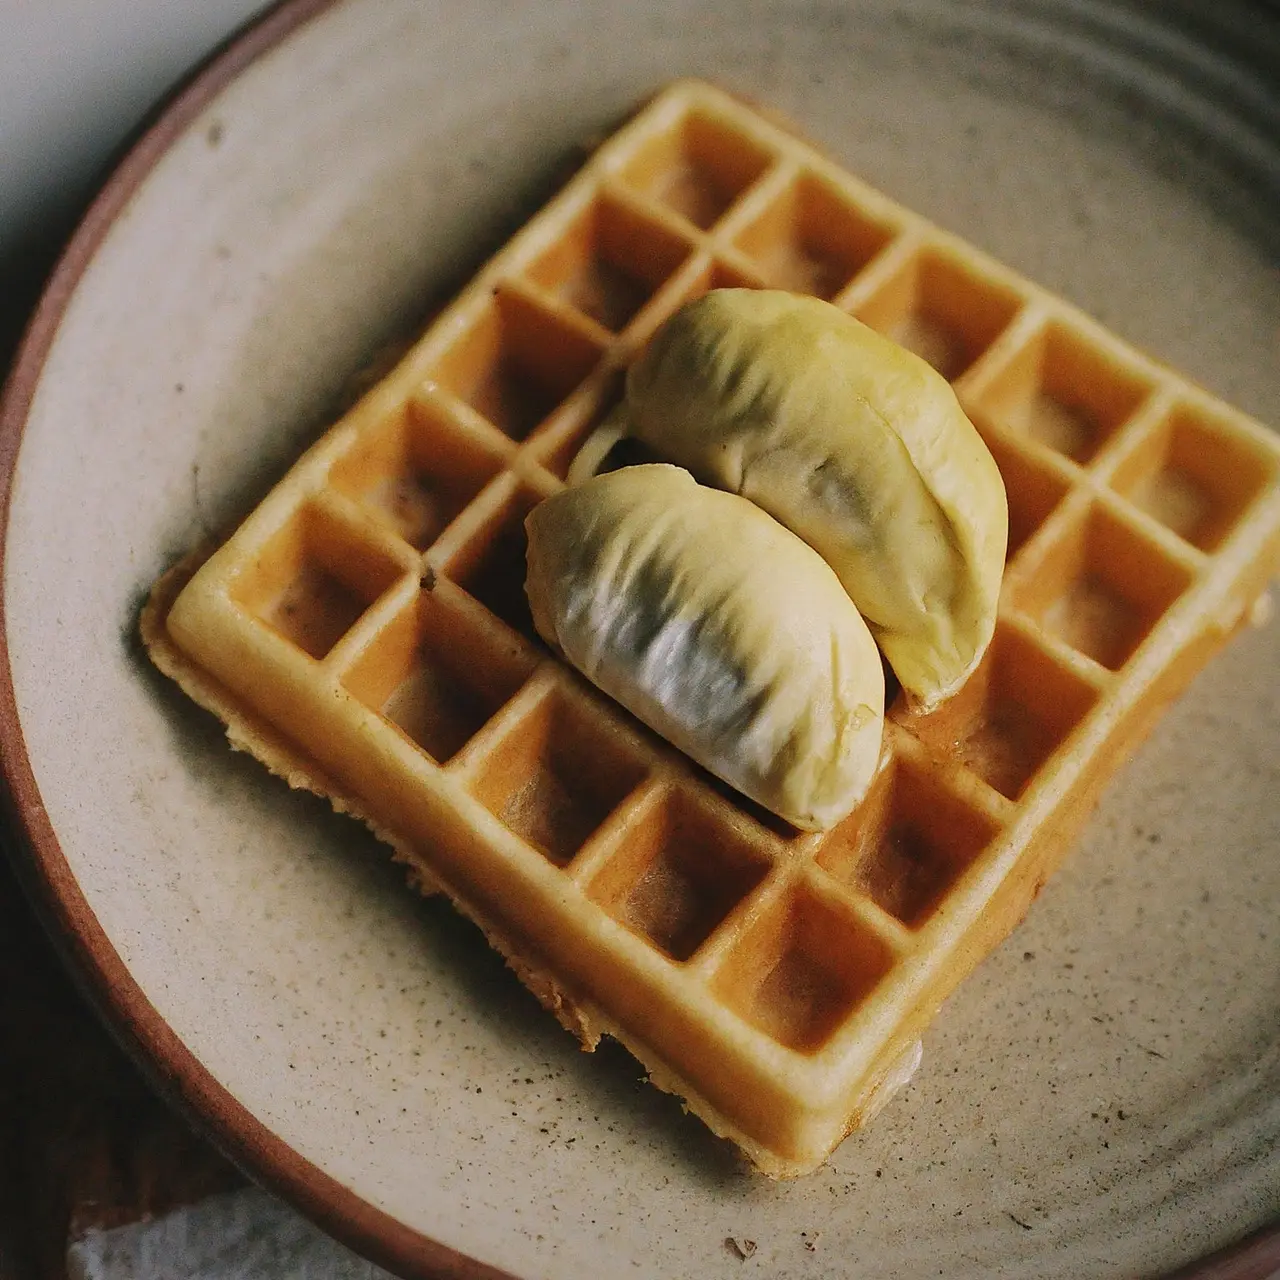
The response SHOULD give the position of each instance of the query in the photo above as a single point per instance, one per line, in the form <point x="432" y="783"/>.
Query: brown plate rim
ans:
<point x="37" y="855"/>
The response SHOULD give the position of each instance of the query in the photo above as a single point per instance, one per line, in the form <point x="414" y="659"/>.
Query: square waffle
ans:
<point x="365" y="632"/>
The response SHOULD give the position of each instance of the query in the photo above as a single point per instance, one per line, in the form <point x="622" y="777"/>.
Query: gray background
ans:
<point x="76" y="79"/>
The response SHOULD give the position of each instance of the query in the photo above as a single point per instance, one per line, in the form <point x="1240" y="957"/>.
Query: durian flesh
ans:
<point x="852" y="442"/>
<point x="719" y="629"/>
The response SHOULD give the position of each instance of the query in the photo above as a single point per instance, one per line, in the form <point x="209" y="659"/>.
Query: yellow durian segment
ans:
<point x="717" y="628"/>
<point x="853" y="443"/>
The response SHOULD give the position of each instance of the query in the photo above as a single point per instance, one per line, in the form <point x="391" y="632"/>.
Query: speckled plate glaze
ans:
<point x="1101" y="1099"/>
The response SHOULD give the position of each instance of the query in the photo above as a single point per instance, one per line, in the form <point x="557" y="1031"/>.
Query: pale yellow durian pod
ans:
<point x="717" y="628"/>
<point x="852" y="442"/>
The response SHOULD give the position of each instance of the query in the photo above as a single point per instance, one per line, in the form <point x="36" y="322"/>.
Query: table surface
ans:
<point x="84" y="1141"/>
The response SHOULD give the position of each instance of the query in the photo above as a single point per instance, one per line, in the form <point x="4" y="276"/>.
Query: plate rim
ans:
<point x="28" y="839"/>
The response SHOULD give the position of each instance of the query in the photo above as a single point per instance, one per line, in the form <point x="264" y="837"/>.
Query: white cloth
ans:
<point x="242" y="1235"/>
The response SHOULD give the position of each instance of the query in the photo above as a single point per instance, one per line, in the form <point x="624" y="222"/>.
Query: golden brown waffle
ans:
<point x="365" y="631"/>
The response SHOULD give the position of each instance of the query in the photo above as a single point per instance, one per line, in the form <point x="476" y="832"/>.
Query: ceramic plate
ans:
<point x="1102" y="1098"/>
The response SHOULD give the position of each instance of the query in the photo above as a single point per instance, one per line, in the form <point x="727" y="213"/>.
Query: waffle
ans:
<point x="366" y="634"/>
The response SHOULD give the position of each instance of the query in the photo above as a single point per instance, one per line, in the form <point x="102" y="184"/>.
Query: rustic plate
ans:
<point x="1103" y="1098"/>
